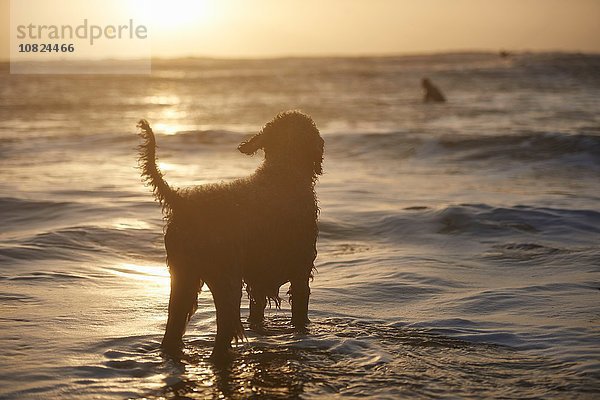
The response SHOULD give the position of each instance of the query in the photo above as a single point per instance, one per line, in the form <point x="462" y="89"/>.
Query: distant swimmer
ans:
<point x="432" y="93"/>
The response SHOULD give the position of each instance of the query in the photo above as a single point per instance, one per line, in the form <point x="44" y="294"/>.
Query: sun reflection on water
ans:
<point x="165" y="166"/>
<point x="162" y="100"/>
<point x="169" y="129"/>
<point x="158" y="275"/>
<point x="129" y="223"/>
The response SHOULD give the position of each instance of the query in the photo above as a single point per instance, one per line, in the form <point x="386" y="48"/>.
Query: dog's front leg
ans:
<point x="227" y="296"/>
<point x="257" y="311"/>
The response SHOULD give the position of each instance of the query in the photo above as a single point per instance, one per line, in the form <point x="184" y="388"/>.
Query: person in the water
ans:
<point x="432" y="93"/>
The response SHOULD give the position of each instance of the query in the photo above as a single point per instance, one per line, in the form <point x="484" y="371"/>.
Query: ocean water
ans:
<point x="459" y="250"/>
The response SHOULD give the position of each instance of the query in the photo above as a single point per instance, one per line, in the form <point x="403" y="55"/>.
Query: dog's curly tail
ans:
<point x="165" y="195"/>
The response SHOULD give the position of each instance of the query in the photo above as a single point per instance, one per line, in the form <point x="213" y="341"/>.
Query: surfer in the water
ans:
<point x="432" y="93"/>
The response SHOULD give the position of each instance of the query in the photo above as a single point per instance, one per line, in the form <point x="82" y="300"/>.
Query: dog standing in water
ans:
<point x="259" y="231"/>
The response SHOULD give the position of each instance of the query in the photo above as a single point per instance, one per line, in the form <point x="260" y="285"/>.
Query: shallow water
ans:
<point x="458" y="253"/>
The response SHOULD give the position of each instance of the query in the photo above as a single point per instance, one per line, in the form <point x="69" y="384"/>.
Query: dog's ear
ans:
<point x="251" y="146"/>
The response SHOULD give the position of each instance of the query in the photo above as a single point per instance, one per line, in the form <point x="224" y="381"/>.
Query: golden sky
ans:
<point x="258" y="28"/>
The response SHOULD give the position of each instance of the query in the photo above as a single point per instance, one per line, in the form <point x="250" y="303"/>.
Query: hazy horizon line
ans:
<point x="316" y="56"/>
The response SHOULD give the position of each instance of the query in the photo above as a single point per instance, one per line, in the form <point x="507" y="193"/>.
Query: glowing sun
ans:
<point x="174" y="14"/>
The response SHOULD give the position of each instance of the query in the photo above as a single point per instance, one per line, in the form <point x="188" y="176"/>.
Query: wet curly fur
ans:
<point x="259" y="231"/>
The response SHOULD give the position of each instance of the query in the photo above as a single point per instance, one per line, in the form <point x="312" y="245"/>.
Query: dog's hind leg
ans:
<point x="299" y="295"/>
<point x="227" y="295"/>
<point x="183" y="302"/>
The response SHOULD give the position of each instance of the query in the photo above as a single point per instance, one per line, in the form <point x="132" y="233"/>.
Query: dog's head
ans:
<point x="290" y="140"/>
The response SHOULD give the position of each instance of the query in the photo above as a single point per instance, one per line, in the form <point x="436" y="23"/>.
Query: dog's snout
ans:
<point x="252" y="145"/>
